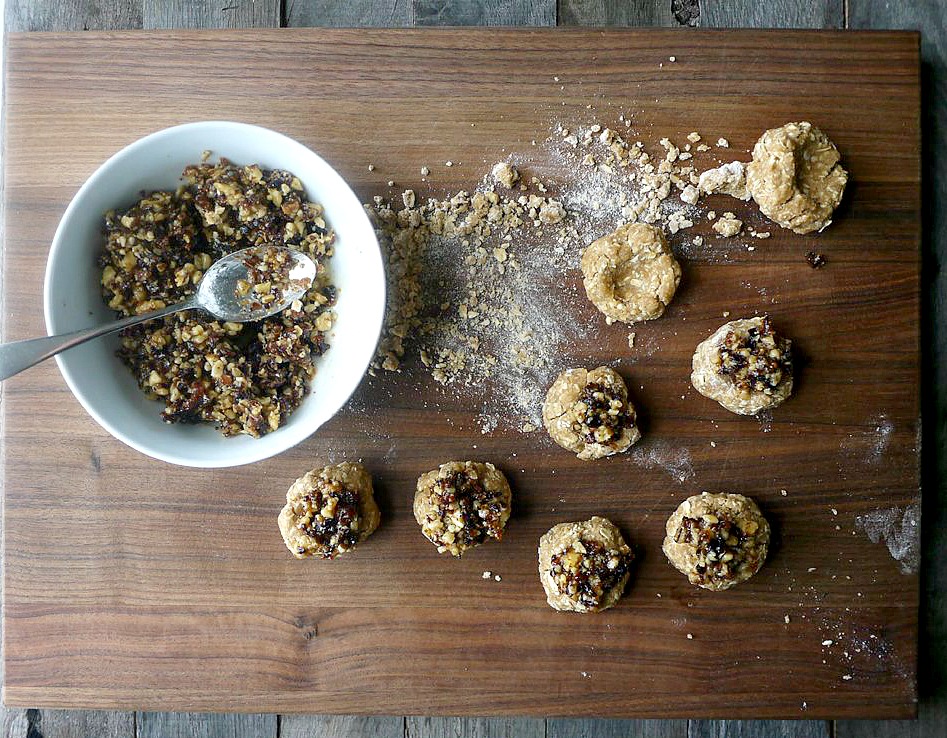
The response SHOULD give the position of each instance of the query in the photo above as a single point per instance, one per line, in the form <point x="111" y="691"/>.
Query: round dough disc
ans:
<point x="588" y="413"/>
<point x="717" y="539"/>
<point x="462" y="504"/>
<point x="631" y="275"/>
<point x="796" y="178"/>
<point x="329" y="511"/>
<point x="584" y="566"/>
<point x="736" y="366"/>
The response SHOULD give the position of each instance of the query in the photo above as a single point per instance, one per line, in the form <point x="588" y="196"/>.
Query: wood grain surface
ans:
<point x="135" y="603"/>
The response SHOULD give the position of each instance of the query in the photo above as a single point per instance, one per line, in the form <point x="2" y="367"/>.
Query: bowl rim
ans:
<point x="57" y="245"/>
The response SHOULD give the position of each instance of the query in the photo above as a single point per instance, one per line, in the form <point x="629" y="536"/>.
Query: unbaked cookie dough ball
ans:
<point x="717" y="540"/>
<point x="745" y="366"/>
<point x="329" y="511"/>
<point x="584" y="566"/>
<point x="588" y="413"/>
<point x="461" y="504"/>
<point x="796" y="178"/>
<point x="631" y="274"/>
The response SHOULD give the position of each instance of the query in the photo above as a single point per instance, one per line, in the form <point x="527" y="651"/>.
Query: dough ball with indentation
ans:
<point x="462" y="504"/>
<point x="717" y="539"/>
<point x="584" y="566"/>
<point x="745" y="365"/>
<point x="588" y="412"/>
<point x="796" y="177"/>
<point x="631" y="275"/>
<point x="329" y="511"/>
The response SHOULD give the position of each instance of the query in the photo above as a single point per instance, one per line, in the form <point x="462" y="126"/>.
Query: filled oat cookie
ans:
<point x="631" y="275"/>
<point x="588" y="412"/>
<point x="796" y="178"/>
<point x="745" y="366"/>
<point x="584" y="566"/>
<point x="717" y="539"/>
<point x="329" y="511"/>
<point x="462" y="504"/>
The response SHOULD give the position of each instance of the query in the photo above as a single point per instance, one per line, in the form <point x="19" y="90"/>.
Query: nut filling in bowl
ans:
<point x="245" y="378"/>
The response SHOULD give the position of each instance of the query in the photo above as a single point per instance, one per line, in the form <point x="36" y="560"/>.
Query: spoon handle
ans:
<point x="19" y="355"/>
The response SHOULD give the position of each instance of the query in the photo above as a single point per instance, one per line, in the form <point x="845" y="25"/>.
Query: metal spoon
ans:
<point x="217" y="293"/>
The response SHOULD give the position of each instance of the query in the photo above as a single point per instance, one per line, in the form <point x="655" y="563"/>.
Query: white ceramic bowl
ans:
<point x="99" y="380"/>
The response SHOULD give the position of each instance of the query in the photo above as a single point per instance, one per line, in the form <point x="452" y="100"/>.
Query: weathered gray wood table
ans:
<point x="925" y="15"/>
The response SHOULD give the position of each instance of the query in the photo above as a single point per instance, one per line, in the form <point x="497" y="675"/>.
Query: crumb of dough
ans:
<point x="631" y="340"/>
<point x="504" y="174"/>
<point x="717" y="539"/>
<point x="461" y="505"/>
<point x="693" y="137"/>
<point x="588" y="413"/>
<point x="425" y="171"/>
<point x="723" y="143"/>
<point x="727" y="179"/>
<point x="631" y="275"/>
<point x="745" y="366"/>
<point x="584" y="566"/>
<point x="678" y="222"/>
<point x="329" y="511"/>
<point x="796" y="177"/>
<point x="551" y="212"/>
<point x="728" y="225"/>
<point x="690" y="194"/>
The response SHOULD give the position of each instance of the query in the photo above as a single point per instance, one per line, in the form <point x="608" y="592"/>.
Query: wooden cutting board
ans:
<point x="130" y="583"/>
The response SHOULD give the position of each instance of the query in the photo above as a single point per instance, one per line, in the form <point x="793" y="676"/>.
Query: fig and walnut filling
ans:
<point x="721" y="545"/>
<point x="586" y="571"/>
<point x="717" y="540"/>
<point x="603" y="414"/>
<point x="462" y="505"/>
<point x="329" y="511"/>
<point x="755" y="359"/>
<point x="245" y="378"/>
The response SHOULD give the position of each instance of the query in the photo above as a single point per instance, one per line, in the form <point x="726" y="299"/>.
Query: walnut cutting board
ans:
<point x="131" y="583"/>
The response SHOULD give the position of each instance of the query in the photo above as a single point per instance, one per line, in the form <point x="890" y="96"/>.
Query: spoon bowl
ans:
<point x="289" y="274"/>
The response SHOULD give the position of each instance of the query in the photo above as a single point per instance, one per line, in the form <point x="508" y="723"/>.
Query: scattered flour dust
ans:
<point x="676" y="461"/>
<point x="882" y="435"/>
<point x="900" y="529"/>
<point x="870" y="445"/>
<point x="857" y="650"/>
<point x="475" y="280"/>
